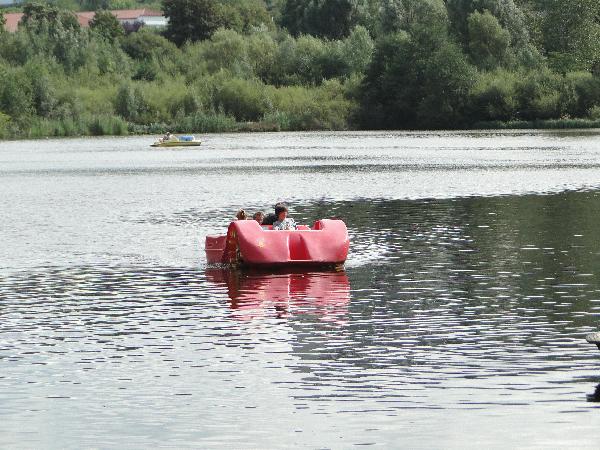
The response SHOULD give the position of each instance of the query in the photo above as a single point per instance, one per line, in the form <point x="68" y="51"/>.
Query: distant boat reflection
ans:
<point x="253" y="294"/>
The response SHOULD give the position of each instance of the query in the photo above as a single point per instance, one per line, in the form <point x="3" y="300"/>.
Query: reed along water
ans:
<point x="458" y="322"/>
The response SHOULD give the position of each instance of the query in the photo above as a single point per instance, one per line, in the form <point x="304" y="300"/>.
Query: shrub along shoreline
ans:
<point x="116" y="126"/>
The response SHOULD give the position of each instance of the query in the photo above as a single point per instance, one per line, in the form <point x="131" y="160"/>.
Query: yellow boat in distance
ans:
<point x="177" y="141"/>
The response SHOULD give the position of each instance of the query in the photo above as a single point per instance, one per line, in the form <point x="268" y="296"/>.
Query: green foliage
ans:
<point x="594" y="113"/>
<point x="16" y="98"/>
<point x="146" y="45"/>
<point x="95" y="5"/>
<point x="4" y="126"/>
<point x="228" y="50"/>
<point x="48" y="33"/>
<point x="583" y="93"/>
<point x="447" y="80"/>
<point x="508" y="14"/>
<point x="130" y="102"/>
<point x="572" y="34"/>
<point x="331" y="19"/>
<point x="410" y="15"/>
<point x="107" y="125"/>
<point x="43" y="17"/>
<point x="357" y="50"/>
<point x="107" y="26"/>
<point x="43" y="93"/>
<point x="538" y="95"/>
<point x="281" y="60"/>
<point x="488" y="41"/>
<point x="417" y="81"/>
<point x="494" y="96"/>
<point x="192" y="20"/>
<point x="245" y="100"/>
<point x="97" y="125"/>
<point x="300" y="108"/>
<point x="202" y="122"/>
<point x="510" y="18"/>
<point x="245" y="16"/>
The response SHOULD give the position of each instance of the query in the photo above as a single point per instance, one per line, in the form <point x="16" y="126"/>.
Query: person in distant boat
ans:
<point x="272" y="217"/>
<point x="283" y="222"/>
<point x="259" y="217"/>
<point x="241" y="215"/>
<point x="167" y="137"/>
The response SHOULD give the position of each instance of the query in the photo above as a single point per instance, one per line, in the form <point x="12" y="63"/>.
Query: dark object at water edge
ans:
<point x="593" y="338"/>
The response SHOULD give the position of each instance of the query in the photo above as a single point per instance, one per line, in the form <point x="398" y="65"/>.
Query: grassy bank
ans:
<point x="116" y="126"/>
<point x="107" y="125"/>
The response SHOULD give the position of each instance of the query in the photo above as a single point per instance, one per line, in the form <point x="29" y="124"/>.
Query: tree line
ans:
<point x="225" y="65"/>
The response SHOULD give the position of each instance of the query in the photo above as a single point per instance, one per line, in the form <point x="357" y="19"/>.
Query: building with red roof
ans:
<point x="12" y="21"/>
<point x="146" y="17"/>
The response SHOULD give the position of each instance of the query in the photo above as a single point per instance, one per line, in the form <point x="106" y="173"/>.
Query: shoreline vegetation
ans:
<point x="115" y="126"/>
<point x="302" y="65"/>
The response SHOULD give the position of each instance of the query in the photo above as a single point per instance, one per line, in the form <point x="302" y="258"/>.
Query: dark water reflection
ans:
<point x="456" y="323"/>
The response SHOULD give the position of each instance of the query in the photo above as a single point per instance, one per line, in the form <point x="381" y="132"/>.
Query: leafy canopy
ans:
<point x="106" y="25"/>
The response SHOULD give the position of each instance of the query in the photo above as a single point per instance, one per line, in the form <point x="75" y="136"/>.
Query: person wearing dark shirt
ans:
<point x="271" y="218"/>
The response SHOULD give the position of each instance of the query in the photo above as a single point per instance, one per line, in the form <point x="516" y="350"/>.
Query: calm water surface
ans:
<point x="474" y="275"/>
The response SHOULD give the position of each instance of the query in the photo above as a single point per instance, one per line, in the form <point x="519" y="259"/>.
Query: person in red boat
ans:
<point x="259" y="217"/>
<point x="283" y="222"/>
<point x="271" y="217"/>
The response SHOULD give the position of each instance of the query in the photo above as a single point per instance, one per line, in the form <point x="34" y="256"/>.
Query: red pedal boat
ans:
<point x="250" y="244"/>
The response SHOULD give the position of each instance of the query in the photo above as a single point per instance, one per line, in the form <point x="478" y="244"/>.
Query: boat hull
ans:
<point x="177" y="144"/>
<point x="249" y="244"/>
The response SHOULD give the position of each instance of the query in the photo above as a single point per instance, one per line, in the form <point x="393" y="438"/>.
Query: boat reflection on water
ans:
<point x="325" y="295"/>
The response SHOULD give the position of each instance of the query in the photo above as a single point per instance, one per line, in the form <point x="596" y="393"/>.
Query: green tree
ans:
<point x="38" y="17"/>
<point x="191" y="20"/>
<point x="447" y="80"/>
<point x="357" y="50"/>
<point x="95" y="5"/>
<point x="406" y="15"/>
<point x="488" y="41"/>
<point x="105" y="24"/>
<point x="2" y="22"/>
<point x="332" y="19"/>
<point x="228" y="50"/>
<point x="509" y="16"/>
<point x="15" y="94"/>
<point x="146" y="44"/>
<point x="43" y="93"/>
<point x="572" y="34"/>
<point x="494" y="97"/>
<point x="245" y="16"/>
<point x="416" y="81"/>
<point x="130" y="103"/>
<point x="4" y="125"/>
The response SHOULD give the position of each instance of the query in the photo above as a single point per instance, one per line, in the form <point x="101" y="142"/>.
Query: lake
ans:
<point x="458" y="322"/>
